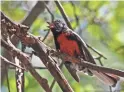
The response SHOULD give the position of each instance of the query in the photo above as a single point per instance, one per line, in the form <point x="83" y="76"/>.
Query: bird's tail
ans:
<point x="106" y="78"/>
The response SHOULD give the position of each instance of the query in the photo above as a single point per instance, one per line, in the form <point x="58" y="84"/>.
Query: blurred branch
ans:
<point x="52" y="16"/>
<point x="52" y="19"/>
<point x="33" y="67"/>
<point x="61" y="9"/>
<point x="29" y="19"/>
<point x="75" y="15"/>
<point x="33" y="14"/>
<point x="8" y="62"/>
<point x="46" y="36"/>
<point x="40" y="49"/>
<point x="96" y="51"/>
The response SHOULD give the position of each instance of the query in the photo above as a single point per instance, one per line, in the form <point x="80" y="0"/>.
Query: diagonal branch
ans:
<point x="25" y="60"/>
<point x="28" y="20"/>
<point x="88" y="64"/>
<point x="63" y="14"/>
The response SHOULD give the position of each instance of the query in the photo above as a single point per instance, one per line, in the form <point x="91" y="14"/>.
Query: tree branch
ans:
<point x="42" y="52"/>
<point x="69" y="25"/>
<point x="58" y="4"/>
<point x="25" y="60"/>
<point x="28" y="20"/>
<point x="39" y="47"/>
<point x="8" y="62"/>
<point x="88" y="64"/>
<point x="33" y="14"/>
<point x="52" y="19"/>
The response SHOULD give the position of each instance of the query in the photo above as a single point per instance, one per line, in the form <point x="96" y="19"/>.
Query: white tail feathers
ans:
<point x="108" y="79"/>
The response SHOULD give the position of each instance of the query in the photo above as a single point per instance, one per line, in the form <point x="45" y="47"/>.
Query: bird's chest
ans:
<point x="68" y="46"/>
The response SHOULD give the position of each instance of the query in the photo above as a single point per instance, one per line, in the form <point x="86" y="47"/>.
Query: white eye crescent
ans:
<point x="58" y="30"/>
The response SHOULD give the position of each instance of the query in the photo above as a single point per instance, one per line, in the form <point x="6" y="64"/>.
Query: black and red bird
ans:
<point x="70" y="43"/>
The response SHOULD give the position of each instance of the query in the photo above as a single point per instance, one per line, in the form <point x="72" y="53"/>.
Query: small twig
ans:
<point x="96" y="51"/>
<point x="7" y="61"/>
<point x="46" y="36"/>
<point x="52" y="19"/>
<point x="74" y="12"/>
<point x="10" y="67"/>
<point x="99" y="59"/>
<point x="52" y="16"/>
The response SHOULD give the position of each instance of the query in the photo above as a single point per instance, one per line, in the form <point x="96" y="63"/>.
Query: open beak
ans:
<point x="51" y="25"/>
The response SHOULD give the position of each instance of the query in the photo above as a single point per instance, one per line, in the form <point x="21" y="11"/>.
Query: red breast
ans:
<point x="68" y="46"/>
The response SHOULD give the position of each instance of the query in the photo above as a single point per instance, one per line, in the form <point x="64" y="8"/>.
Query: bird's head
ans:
<point x="57" y="26"/>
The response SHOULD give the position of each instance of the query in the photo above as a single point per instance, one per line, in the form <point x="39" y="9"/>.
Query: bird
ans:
<point x="69" y="42"/>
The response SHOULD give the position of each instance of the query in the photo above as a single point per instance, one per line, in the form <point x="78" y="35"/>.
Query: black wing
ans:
<point x="82" y="46"/>
<point x="68" y="65"/>
<point x="56" y="43"/>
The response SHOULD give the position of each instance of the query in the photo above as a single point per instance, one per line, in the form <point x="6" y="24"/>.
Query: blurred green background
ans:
<point x="99" y="23"/>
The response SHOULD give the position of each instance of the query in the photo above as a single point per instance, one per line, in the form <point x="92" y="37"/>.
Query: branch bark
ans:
<point x="88" y="64"/>
<point x="8" y="62"/>
<point x="42" y="52"/>
<point x="29" y="19"/>
<point x="25" y="60"/>
<point x="21" y="56"/>
<point x="39" y="47"/>
<point x="63" y="14"/>
<point x="33" y="14"/>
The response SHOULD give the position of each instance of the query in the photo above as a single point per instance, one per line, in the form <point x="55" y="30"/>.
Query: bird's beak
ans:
<point x="51" y="25"/>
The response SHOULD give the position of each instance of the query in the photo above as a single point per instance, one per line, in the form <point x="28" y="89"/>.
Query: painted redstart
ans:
<point x="71" y="43"/>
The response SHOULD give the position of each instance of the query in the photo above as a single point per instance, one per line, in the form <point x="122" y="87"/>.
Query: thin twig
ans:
<point x="7" y="61"/>
<point x="52" y="19"/>
<point x="95" y="51"/>
<point x="52" y="16"/>
<point x="75" y="15"/>
<point x="46" y="36"/>
<point x="99" y="59"/>
<point x="10" y="67"/>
